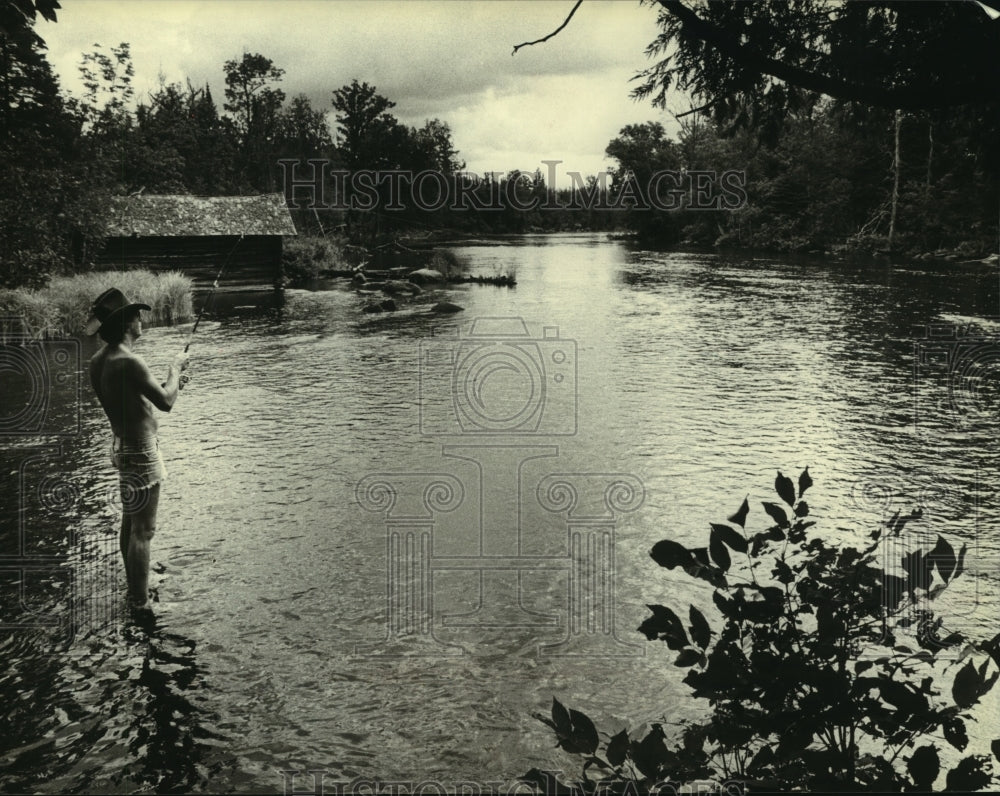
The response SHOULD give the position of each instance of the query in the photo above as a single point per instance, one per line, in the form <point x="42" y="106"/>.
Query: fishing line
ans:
<point x="208" y="299"/>
<point x="211" y="294"/>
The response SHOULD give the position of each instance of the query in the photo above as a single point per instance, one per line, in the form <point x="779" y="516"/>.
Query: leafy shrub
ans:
<point x="31" y="267"/>
<point x="305" y="258"/>
<point x="867" y="243"/>
<point x="822" y="674"/>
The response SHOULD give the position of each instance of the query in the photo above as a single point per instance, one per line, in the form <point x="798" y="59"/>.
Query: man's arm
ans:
<point x="93" y="375"/>
<point x="162" y="396"/>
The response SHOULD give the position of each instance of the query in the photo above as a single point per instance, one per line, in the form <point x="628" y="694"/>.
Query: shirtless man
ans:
<point x="128" y="392"/>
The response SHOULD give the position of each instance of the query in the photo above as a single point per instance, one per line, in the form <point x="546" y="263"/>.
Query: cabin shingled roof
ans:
<point x="197" y="216"/>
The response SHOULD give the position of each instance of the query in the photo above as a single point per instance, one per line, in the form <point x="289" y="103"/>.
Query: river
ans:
<point x="386" y="540"/>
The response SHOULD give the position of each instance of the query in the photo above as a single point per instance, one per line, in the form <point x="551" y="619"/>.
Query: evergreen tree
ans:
<point x="368" y="136"/>
<point x="49" y="195"/>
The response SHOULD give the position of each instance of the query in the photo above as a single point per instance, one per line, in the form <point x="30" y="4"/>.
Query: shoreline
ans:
<point x="453" y="238"/>
<point x="426" y="245"/>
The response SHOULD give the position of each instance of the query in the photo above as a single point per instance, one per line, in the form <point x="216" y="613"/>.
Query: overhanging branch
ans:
<point x="904" y="97"/>
<point x="701" y="108"/>
<point x="553" y="33"/>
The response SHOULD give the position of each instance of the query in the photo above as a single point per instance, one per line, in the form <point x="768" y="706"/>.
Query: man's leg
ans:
<point x="123" y="537"/>
<point x="143" y="526"/>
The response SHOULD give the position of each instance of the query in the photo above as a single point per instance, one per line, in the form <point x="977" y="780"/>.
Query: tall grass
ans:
<point x="62" y="307"/>
<point x="26" y="312"/>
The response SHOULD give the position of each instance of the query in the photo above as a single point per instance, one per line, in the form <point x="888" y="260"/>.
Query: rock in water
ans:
<point x="395" y="287"/>
<point x="446" y="306"/>
<point x="388" y="305"/>
<point x="424" y="275"/>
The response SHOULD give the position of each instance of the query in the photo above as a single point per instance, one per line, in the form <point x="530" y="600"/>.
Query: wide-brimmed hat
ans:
<point x="108" y="306"/>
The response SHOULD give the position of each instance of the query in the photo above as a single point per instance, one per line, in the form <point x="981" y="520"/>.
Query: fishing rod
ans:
<point x="215" y="286"/>
<point x="211" y="293"/>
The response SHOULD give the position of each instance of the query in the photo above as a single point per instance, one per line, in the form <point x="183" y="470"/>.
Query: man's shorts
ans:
<point x="139" y="463"/>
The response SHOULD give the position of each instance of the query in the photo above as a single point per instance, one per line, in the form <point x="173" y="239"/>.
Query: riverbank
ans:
<point x="311" y="259"/>
<point x="963" y="256"/>
<point x="860" y="255"/>
<point x="61" y="308"/>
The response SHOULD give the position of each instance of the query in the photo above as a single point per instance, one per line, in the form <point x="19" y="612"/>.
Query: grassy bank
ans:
<point x="62" y="307"/>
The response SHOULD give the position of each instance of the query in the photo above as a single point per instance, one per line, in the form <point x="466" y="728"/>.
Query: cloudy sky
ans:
<point x="449" y="59"/>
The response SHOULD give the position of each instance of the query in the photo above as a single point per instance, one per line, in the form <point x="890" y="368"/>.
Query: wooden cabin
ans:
<point x="198" y="234"/>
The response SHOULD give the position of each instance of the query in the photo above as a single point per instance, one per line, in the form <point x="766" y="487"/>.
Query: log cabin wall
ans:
<point x="253" y="262"/>
<point x="196" y="235"/>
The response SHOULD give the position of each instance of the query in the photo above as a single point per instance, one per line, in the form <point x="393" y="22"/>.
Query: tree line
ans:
<point x="820" y="126"/>
<point x="833" y="178"/>
<point x="859" y="124"/>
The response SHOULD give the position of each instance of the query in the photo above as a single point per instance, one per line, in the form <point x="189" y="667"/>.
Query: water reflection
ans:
<point x="169" y="741"/>
<point x="117" y="710"/>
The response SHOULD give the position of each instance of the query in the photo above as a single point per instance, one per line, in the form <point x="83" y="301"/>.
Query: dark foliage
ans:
<point x="822" y="654"/>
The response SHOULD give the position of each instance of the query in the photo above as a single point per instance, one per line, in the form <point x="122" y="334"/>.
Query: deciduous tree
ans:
<point x="255" y="105"/>
<point x="367" y="133"/>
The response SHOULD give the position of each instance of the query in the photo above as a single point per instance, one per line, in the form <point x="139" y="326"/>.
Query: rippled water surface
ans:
<point x="277" y="643"/>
